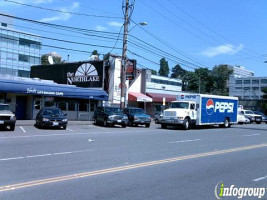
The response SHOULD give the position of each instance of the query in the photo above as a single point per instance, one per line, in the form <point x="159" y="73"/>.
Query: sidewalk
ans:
<point x="32" y="122"/>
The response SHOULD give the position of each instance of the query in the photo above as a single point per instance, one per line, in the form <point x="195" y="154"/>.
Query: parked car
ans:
<point x="264" y="117"/>
<point x="252" y="116"/>
<point x="51" y="117"/>
<point x="241" y="119"/>
<point x="7" y="118"/>
<point x="157" y="117"/>
<point x="109" y="116"/>
<point x="137" y="116"/>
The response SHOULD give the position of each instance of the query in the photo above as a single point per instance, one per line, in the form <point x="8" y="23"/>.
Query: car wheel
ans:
<point x="163" y="126"/>
<point x="147" y="125"/>
<point x="156" y="121"/>
<point x="258" y="122"/>
<point x="186" y="124"/>
<point x="12" y="127"/>
<point x="130" y="123"/>
<point x="226" y="123"/>
<point x="95" y="121"/>
<point x="64" y="127"/>
<point x="123" y="126"/>
<point x="105" y="123"/>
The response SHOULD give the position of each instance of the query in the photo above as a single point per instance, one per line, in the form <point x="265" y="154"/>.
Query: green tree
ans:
<point x="95" y="53"/>
<point x="153" y="72"/>
<point x="178" y="72"/>
<point x="221" y="75"/>
<point x="164" y="68"/>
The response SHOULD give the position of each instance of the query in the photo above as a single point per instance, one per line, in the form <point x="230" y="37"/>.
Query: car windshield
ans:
<point x="258" y="113"/>
<point x="183" y="105"/>
<point x="249" y="112"/>
<point x="112" y="110"/>
<point x="52" y="112"/>
<point x="137" y="111"/>
<point x="4" y="107"/>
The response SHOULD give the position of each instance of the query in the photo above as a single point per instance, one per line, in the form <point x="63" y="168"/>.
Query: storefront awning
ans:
<point x="47" y="89"/>
<point x="159" y="97"/>
<point x="136" y="96"/>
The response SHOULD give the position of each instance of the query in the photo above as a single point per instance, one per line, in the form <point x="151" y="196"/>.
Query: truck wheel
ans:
<point x="186" y="124"/>
<point x="12" y="127"/>
<point x="226" y="123"/>
<point x="258" y="122"/>
<point x="163" y="126"/>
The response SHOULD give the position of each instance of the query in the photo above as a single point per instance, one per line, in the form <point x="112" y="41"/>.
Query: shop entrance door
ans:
<point x="21" y="106"/>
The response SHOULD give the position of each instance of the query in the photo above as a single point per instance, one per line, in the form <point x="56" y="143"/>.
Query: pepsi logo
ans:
<point x="210" y="107"/>
<point x="182" y="96"/>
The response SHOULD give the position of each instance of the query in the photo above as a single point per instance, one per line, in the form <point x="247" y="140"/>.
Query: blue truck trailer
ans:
<point x="201" y="109"/>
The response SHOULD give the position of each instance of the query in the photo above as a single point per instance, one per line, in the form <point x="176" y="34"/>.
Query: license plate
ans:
<point x="142" y="122"/>
<point x="119" y="121"/>
<point x="55" y="123"/>
<point x="1" y="122"/>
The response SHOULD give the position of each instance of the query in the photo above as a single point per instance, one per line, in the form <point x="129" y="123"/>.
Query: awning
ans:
<point x="136" y="96"/>
<point x="47" y="89"/>
<point x="159" y="97"/>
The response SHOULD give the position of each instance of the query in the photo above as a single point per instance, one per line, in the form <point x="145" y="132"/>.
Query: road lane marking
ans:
<point x="124" y="168"/>
<point x="260" y="179"/>
<point x="182" y="141"/>
<point x="250" y="135"/>
<point x="22" y="129"/>
<point x="43" y="155"/>
<point x="69" y="129"/>
<point x="71" y="134"/>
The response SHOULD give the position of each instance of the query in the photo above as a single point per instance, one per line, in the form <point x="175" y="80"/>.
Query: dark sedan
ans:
<point x="51" y="117"/>
<point x="110" y="116"/>
<point x="264" y="117"/>
<point x="137" y="116"/>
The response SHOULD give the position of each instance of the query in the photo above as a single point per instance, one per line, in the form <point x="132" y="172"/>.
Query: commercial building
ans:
<point x="18" y="50"/>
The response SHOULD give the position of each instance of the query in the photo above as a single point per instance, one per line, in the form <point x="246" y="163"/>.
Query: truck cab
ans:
<point x="182" y="113"/>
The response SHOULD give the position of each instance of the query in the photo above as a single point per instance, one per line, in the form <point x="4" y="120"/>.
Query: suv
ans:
<point x="252" y="116"/>
<point x="264" y="117"/>
<point x="110" y="116"/>
<point x="137" y="116"/>
<point x="7" y="118"/>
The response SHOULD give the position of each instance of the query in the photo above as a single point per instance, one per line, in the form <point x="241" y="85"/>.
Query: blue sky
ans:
<point x="191" y="33"/>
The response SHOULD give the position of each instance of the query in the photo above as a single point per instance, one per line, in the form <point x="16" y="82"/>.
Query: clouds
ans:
<point x="62" y="16"/>
<point x="109" y="24"/>
<point x="227" y="49"/>
<point x="100" y="28"/>
<point x="115" y="24"/>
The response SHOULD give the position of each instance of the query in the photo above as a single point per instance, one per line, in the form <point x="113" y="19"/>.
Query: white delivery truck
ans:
<point x="200" y="109"/>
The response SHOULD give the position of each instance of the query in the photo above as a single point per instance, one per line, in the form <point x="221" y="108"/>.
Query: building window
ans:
<point x="71" y="106"/>
<point x="238" y="88"/>
<point x="83" y="106"/>
<point x="255" y="81"/>
<point x="29" y="43"/>
<point x="238" y="82"/>
<point x="4" y="24"/>
<point x="62" y="105"/>
<point x="246" y="88"/>
<point x="23" y="58"/>
<point x="246" y="81"/>
<point x="263" y="81"/>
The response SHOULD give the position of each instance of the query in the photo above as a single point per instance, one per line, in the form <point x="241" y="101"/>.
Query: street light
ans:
<point x="124" y="56"/>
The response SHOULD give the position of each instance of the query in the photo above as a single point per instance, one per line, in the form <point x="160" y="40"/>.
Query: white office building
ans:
<point x="18" y="50"/>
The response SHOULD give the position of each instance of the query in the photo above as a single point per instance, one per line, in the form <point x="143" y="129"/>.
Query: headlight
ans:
<point x="161" y="116"/>
<point x="65" y="120"/>
<point x="13" y="118"/>
<point x="135" y="117"/>
<point x="125" y="117"/>
<point x="110" y="117"/>
<point x="253" y="118"/>
<point x="45" y="119"/>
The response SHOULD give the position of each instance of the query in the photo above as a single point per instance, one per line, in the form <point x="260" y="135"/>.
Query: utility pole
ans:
<point x="124" y="56"/>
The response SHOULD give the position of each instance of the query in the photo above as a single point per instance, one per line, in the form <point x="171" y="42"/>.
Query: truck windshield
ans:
<point x="4" y="107"/>
<point x="183" y="105"/>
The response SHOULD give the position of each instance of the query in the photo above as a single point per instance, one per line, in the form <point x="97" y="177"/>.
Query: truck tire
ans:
<point x="258" y="122"/>
<point x="163" y="126"/>
<point x="226" y="123"/>
<point x="186" y="124"/>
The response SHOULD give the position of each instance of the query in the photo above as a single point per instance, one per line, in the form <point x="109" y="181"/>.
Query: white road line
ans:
<point x="4" y="159"/>
<point x="260" y="179"/>
<point x="182" y="141"/>
<point x="251" y="135"/>
<point x="48" y="154"/>
<point x="22" y="129"/>
<point x="42" y="155"/>
<point x="69" y="129"/>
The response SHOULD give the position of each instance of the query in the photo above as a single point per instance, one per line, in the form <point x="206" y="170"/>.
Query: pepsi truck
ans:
<point x="200" y="109"/>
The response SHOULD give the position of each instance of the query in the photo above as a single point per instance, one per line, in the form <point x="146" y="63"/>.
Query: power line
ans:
<point x="62" y="11"/>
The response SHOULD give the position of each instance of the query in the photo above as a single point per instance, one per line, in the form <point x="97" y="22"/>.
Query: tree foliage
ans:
<point x="153" y="72"/>
<point x="164" y="68"/>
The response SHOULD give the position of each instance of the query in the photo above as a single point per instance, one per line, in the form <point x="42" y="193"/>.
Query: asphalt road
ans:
<point x="94" y="162"/>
